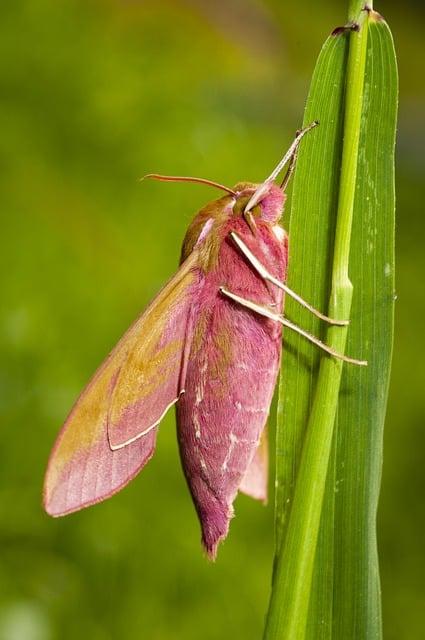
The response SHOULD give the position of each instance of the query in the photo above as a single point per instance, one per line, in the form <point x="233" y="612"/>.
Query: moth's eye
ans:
<point x="240" y="204"/>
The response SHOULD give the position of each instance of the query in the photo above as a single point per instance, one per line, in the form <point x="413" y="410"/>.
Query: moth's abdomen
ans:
<point x="229" y="384"/>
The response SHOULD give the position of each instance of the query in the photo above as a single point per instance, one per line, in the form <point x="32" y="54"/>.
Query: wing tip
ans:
<point x="56" y="511"/>
<point x="59" y="508"/>
<point x="55" y="500"/>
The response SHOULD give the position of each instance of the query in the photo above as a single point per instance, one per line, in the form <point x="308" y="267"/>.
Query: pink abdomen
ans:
<point x="231" y="375"/>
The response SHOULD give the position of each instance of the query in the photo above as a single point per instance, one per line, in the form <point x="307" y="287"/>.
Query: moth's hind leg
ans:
<point x="267" y="313"/>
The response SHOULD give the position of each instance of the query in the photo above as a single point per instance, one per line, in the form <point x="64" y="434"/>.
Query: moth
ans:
<point x="209" y="343"/>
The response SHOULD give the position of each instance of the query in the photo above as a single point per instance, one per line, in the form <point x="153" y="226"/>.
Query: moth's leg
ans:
<point x="262" y="271"/>
<point x="249" y="219"/>
<point x="262" y="188"/>
<point x="291" y="169"/>
<point x="264" y="311"/>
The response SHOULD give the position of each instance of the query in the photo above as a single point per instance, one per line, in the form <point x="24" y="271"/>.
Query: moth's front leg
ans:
<point x="249" y="219"/>
<point x="267" y="276"/>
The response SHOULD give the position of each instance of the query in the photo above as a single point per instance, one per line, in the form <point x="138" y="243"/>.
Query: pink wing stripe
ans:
<point x="150" y="381"/>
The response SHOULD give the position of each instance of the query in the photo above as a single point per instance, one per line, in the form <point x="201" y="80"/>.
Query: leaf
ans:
<point x="363" y="398"/>
<point x="326" y="579"/>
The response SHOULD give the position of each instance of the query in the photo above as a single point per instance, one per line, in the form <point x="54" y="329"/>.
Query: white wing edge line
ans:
<point x="116" y="447"/>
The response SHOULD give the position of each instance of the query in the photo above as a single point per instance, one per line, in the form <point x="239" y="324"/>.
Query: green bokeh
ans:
<point x="94" y="95"/>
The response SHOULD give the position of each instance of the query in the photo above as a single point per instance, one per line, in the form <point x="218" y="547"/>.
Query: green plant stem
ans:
<point x="292" y="578"/>
<point x="355" y="7"/>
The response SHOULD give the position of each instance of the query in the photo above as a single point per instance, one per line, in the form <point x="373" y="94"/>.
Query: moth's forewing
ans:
<point x="83" y="469"/>
<point x="256" y="479"/>
<point x="150" y="379"/>
<point x="230" y="378"/>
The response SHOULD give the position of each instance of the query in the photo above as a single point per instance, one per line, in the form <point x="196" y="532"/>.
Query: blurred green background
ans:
<point x="94" y="94"/>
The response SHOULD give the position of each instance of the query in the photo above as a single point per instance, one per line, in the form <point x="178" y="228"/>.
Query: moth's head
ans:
<point x="264" y="201"/>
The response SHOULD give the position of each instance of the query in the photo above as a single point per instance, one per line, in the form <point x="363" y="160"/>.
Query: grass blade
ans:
<point x="326" y="580"/>
<point x="363" y="397"/>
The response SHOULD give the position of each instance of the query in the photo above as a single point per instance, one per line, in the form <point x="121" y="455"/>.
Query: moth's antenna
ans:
<point x="210" y="183"/>
<point x="262" y="189"/>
